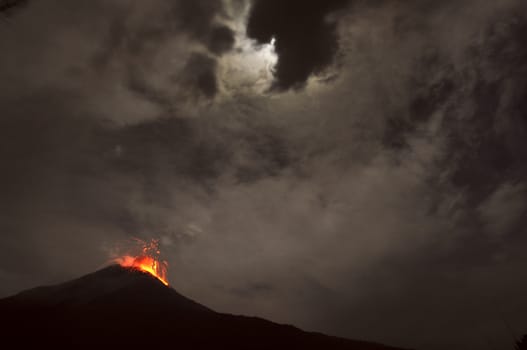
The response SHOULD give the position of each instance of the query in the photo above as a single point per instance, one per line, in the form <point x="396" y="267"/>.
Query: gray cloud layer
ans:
<point x="386" y="203"/>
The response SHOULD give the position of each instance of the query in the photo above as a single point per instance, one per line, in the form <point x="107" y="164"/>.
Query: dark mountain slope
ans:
<point x="123" y="307"/>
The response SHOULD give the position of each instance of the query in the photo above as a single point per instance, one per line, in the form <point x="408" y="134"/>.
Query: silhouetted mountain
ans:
<point x="124" y="307"/>
<point x="522" y="343"/>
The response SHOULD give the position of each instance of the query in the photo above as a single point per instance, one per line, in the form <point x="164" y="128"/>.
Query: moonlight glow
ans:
<point x="249" y="66"/>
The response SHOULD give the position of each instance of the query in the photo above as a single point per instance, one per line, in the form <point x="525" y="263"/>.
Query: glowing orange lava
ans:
<point x="148" y="261"/>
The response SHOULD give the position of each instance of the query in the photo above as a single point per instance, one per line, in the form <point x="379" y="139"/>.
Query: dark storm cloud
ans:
<point x="221" y="39"/>
<point x="483" y="105"/>
<point x="498" y="92"/>
<point x="476" y="101"/>
<point x="196" y="19"/>
<point x="199" y="18"/>
<point x="200" y="71"/>
<point x="136" y="37"/>
<point x="8" y="6"/>
<point x="306" y="39"/>
<point x="187" y="148"/>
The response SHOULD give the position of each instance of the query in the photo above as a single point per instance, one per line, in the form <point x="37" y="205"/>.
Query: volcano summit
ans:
<point x="119" y="306"/>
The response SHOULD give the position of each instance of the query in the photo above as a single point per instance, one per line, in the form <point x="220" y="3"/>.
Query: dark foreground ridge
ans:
<point x="123" y="307"/>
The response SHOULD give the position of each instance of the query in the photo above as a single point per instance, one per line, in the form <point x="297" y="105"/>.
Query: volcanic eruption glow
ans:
<point x="148" y="261"/>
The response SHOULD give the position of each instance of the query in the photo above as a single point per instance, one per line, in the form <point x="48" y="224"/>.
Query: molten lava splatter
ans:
<point x="148" y="261"/>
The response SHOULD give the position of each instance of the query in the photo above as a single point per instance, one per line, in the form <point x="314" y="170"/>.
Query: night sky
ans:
<point x="354" y="167"/>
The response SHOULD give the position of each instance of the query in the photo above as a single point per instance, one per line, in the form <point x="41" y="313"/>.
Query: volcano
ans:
<point x="119" y="306"/>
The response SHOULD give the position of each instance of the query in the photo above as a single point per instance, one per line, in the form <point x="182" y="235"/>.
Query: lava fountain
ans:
<point x="147" y="261"/>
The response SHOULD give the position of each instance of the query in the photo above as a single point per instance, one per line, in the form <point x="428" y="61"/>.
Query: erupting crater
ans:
<point x="148" y="261"/>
